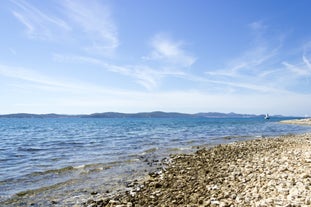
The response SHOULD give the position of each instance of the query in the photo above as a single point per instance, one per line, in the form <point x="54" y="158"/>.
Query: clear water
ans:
<point x="64" y="160"/>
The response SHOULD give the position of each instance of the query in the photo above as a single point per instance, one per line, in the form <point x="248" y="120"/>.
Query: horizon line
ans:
<point x="131" y="113"/>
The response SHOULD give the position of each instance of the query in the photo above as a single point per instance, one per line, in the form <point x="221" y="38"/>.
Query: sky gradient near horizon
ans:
<point x="79" y="57"/>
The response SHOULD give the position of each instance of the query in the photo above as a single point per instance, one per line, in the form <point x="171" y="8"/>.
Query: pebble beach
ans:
<point x="273" y="171"/>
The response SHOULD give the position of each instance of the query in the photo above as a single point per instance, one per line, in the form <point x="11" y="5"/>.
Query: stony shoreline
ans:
<point x="262" y="172"/>
<point x="298" y="121"/>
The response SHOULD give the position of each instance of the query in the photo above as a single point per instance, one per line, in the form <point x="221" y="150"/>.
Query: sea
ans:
<point x="65" y="161"/>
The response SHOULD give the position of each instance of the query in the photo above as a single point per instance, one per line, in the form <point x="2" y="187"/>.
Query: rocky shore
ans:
<point x="263" y="172"/>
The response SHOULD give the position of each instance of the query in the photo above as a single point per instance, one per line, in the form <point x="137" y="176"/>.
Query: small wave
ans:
<point x="13" y="196"/>
<point x="230" y="137"/>
<point x="44" y="181"/>
<point x="180" y="149"/>
<point x="96" y="167"/>
<point x="151" y="150"/>
<point x="55" y="171"/>
<point x="43" y="189"/>
<point x="30" y="149"/>
<point x="80" y="169"/>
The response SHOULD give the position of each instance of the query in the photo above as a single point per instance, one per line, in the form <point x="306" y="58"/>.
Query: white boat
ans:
<point x="267" y="116"/>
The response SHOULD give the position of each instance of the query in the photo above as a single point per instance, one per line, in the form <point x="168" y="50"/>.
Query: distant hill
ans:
<point x="155" y="114"/>
<point x="225" y="115"/>
<point x="25" y="115"/>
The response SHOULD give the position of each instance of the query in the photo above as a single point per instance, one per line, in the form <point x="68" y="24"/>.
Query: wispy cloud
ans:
<point x="150" y="78"/>
<point x="253" y="60"/>
<point x="38" y="24"/>
<point x="91" y="24"/>
<point x="31" y="76"/>
<point x="78" y="97"/>
<point x="170" y="51"/>
<point x="307" y="62"/>
<point x="144" y="75"/>
<point x="260" y="72"/>
<point x="93" y="28"/>
<point x="297" y="70"/>
<point x="249" y="63"/>
<point x="257" y="69"/>
<point x="94" y="20"/>
<point x="251" y="71"/>
<point x="258" y="28"/>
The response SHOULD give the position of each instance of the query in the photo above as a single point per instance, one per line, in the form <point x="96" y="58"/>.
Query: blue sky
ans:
<point x="78" y="57"/>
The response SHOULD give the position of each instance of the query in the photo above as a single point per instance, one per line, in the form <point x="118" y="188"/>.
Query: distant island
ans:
<point x="155" y="114"/>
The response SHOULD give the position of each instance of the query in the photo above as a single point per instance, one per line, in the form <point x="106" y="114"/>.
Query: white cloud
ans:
<point x="307" y="62"/>
<point x="95" y="20"/>
<point x="257" y="26"/>
<point x="231" y="85"/>
<point x="149" y="77"/>
<point x="296" y="70"/>
<point x="258" y="29"/>
<point x="258" y="69"/>
<point x="30" y="76"/>
<point x="38" y="24"/>
<point x="252" y="63"/>
<point x="75" y="59"/>
<point x="91" y="24"/>
<point x="170" y="51"/>
<point x="91" y="101"/>
<point x="69" y="96"/>
<point x="250" y="71"/>
<point x="144" y="75"/>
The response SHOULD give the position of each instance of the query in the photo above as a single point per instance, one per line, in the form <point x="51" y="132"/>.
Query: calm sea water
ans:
<point x="50" y="162"/>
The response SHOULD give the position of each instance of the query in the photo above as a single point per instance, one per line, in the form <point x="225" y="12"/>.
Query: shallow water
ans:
<point x="62" y="161"/>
